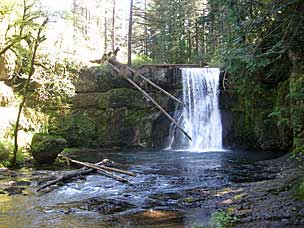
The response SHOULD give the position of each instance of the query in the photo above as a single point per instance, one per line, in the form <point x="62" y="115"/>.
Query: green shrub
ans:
<point x="4" y="151"/>
<point x="299" y="193"/>
<point x="141" y="59"/>
<point x="6" y="155"/>
<point x="221" y="219"/>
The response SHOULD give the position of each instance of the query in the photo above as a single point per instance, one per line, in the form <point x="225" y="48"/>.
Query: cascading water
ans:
<point x="200" y="116"/>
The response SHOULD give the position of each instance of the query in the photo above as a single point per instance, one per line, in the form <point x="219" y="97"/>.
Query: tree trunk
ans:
<point x="145" y="34"/>
<point x="105" y="32"/>
<point x="130" y="34"/>
<point x="113" y="26"/>
<point x="26" y="88"/>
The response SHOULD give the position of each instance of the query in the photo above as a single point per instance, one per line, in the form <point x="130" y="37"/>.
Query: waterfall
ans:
<point x="200" y="116"/>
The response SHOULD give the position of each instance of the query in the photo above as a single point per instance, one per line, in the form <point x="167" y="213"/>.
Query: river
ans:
<point x="161" y="194"/>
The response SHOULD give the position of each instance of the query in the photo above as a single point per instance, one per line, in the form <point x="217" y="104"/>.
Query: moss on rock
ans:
<point x="45" y="148"/>
<point x="78" y="128"/>
<point x="121" y="97"/>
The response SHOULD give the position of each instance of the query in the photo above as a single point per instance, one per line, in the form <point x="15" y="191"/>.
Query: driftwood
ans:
<point x="70" y="175"/>
<point x="151" y="99"/>
<point x="101" y="170"/>
<point x="114" y="62"/>
<point x="65" y="177"/>
<point x="87" y="169"/>
<point x="99" y="167"/>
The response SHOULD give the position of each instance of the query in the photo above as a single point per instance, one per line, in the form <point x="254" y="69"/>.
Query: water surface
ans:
<point x="157" y="197"/>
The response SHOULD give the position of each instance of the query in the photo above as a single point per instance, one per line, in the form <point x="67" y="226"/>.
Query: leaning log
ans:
<point x="66" y="177"/>
<point x="114" y="62"/>
<point x="70" y="175"/>
<point x="152" y="100"/>
<point x="98" y="167"/>
<point x="101" y="170"/>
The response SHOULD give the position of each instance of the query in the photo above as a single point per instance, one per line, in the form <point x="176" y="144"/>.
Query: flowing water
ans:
<point x="161" y="194"/>
<point x="200" y="115"/>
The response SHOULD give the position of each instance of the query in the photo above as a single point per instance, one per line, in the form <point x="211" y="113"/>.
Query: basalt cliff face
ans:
<point x="108" y="112"/>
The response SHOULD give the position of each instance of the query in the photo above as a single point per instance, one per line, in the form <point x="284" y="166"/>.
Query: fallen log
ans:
<point x="152" y="100"/>
<point x="102" y="170"/>
<point x="99" y="167"/>
<point x="111" y="175"/>
<point x="114" y="62"/>
<point x="65" y="177"/>
<point x="70" y="175"/>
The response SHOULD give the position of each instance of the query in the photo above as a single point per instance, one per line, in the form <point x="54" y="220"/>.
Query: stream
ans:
<point x="162" y="194"/>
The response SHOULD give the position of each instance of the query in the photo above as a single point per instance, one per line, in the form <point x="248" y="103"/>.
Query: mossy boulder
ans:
<point x="77" y="127"/>
<point x="45" y="148"/>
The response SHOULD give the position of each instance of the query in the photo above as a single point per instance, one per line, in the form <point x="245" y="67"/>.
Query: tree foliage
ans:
<point x="39" y="81"/>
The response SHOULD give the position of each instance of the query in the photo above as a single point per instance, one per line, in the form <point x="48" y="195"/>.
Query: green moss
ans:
<point x="78" y="128"/>
<point x="296" y="97"/>
<point x="189" y="200"/>
<point x="121" y="97"/>
<point x="134" y="117"/>
<point x="45" y="148"/>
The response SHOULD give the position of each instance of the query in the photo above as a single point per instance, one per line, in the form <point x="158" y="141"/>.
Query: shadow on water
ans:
<point x="157" y="198"/>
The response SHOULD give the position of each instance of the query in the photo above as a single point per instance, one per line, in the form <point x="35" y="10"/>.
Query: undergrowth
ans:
<point x="6" y="154"/>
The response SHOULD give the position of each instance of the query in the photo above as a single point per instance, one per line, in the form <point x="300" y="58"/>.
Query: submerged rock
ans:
<point x="45" y="148"/>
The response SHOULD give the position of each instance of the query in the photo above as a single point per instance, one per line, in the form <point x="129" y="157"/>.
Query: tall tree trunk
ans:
<point x="189" y="45"/>
<point x="113" y="26"/>
<point x="130" y="34"/>
<point x="37" y="42"/>
<point x="204" y="37"/>
<point x="74" y="26"/>
<point x="146" y="33"/>
<point x="105" y="32"/>
<point x="196" y="37"/>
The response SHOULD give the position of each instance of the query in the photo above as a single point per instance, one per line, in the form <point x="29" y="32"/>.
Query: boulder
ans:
<point x="45" y="148"/>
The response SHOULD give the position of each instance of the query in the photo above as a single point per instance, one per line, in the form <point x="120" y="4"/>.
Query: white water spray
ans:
<point x="200" y="116"/>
